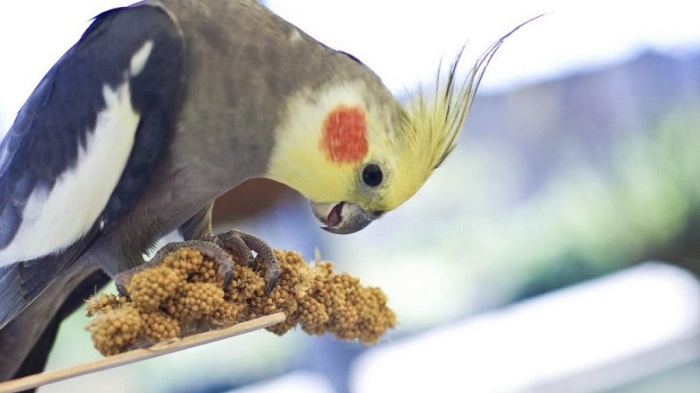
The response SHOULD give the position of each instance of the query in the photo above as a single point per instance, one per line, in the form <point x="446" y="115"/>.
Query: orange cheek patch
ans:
<point x="344" y="138"/>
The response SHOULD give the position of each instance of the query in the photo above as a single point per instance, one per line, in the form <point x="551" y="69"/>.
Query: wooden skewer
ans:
<point x="136" y="355"/>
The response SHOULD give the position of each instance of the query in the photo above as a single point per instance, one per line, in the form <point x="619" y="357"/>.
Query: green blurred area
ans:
<point x="592" y="223"/>
<point x="483" y="249"/>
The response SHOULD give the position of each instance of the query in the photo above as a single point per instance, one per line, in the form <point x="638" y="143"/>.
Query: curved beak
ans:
<point x="343" y="217"/>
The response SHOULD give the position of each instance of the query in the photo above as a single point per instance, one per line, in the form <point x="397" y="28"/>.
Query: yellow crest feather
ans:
<point x="433" y="122"/>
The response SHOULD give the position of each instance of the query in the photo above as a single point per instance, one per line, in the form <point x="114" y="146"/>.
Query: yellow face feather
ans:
<point x="406" y="142"/>
<point x="299" y="159"/>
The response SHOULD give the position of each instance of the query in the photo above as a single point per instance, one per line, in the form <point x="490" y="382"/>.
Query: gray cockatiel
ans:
<point x="163" y="106"/>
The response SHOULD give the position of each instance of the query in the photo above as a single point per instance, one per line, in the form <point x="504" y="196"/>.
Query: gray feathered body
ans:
<point x="209" y="98"/>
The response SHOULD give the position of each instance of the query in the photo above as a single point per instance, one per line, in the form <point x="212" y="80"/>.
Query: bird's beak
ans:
<point x="343" y="217"/>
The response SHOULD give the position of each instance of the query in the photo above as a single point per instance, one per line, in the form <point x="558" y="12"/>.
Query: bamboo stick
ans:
<point x="163" y="348"/>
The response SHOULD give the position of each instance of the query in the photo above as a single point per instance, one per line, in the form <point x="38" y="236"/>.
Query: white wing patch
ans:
<point x="55" y="219"/>
<point x="138" y="60"/>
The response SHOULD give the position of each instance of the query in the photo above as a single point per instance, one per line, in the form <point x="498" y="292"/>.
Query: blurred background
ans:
<point x="555" y="251"/>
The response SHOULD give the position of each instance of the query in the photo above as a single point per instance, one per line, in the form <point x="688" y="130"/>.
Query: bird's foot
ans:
<point x="214" y="246"/>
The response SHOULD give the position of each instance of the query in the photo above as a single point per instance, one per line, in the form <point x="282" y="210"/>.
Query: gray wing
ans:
<point x="135" y="52"/>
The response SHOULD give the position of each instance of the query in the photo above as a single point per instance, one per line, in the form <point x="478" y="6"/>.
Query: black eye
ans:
<point x="372" y="175"/>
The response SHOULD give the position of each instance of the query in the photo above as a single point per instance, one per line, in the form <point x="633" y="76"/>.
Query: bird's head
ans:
<point x="357" y="153"/>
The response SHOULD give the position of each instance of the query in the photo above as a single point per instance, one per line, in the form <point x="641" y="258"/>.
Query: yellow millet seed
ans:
<point x="185" y="261"/>
<point x="282" y="328"/>
<point x="206" y="272"/>
<point x="115" y="331"/>
<point x="152" y="287"/>
<point x="226" y="314"/>
<point x="200" y="300"/>
<point x="184" y="294"/>
<point x="245" y="284"/>
<point x="101" y="304"/>
<point x="312" y="316"/>
<point x="157" y="326"/>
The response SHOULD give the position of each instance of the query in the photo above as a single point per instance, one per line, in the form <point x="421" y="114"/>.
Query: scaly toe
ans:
<point x="243" y="243"/>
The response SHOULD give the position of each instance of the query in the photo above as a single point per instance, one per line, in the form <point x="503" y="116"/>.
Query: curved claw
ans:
<point x="243" y="243"/>
<point x="272" y="275"/>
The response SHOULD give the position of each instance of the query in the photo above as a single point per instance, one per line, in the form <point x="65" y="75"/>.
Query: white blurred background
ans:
<point x="522" y="265"/>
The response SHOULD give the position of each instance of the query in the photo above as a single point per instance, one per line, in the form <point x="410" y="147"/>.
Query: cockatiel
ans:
<point x="165" y="105"/>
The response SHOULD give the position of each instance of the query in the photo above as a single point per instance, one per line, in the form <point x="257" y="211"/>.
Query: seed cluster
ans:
<point x="184" y="295"/>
